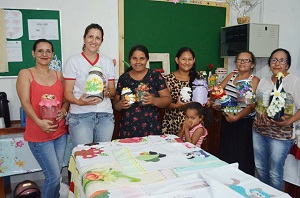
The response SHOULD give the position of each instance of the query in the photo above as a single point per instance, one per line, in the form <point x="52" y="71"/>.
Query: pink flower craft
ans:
<point x="48" y="100"/>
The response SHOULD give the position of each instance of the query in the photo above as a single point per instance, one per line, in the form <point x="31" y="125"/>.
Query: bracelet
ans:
<point x="64" y="112"/>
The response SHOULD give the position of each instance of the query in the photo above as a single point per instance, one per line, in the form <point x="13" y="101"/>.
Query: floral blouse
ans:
<point x="140" y="120"/>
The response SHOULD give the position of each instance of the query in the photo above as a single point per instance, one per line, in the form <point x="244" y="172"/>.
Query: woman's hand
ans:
<point x="61" y="114"/>
<point x="123" y="104"/>
<point x="284" y="121"/>
<point x="106" y="92"/>
<point x="83" y="101"/>
<point x="179" y="103"/>
<point x="47" y="126"/>
<point x="230" y="118"/>
<point x="147" y="98"/>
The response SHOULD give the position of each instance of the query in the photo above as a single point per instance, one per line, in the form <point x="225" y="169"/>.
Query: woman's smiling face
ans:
<point x="278" y="63"/>
<point x="138" y="61"/>
<point x="185" y="61"/>
<point x="244" y="62"/>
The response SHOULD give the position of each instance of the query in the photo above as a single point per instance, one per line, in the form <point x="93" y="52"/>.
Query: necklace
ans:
<point x="43" y="73"/>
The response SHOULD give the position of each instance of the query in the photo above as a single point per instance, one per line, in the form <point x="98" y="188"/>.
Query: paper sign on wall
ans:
<point x="13" y="24"/>
<point x="39" y="28"/>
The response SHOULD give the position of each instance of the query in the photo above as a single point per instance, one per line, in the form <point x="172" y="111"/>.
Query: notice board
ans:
<point x="166" y="26"/>
<point x="26" y="40"/>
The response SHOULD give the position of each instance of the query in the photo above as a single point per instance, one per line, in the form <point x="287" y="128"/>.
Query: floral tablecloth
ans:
<point x="16" y="157"/>
<point x="158" y="166"/>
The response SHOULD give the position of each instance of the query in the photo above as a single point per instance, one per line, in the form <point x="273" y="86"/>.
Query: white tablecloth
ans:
<point x="158" y="166"/>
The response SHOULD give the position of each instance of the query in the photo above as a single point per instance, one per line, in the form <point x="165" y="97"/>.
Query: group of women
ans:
<point x="250" y="137"/>
<point x="90" y="119"/>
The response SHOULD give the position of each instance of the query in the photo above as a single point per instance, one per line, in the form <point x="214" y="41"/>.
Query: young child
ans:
<point x="192" y="129"/>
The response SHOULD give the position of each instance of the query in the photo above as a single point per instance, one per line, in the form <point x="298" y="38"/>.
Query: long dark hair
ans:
<point x="141" y="48"/>
<point x="192" y="73"/>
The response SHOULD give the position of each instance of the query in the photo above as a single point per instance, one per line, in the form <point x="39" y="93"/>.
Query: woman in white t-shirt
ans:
<point x="90" y="119"/>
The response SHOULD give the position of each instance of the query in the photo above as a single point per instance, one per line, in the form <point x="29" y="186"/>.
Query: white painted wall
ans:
<point x="286" y="14"/>
<point x="105" y="12"/>
<point x="75" y="16"/>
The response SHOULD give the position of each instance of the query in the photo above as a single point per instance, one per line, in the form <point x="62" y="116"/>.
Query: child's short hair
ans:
<point x="201" y="110"/>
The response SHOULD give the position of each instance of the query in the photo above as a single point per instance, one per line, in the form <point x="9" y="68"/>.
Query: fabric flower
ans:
<point x="279" y="97"/>
<point x="210" y="67"/>
<point x="55" y="64"/>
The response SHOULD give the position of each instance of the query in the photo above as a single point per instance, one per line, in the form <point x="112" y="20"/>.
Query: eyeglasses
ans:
<point x="281" y="61"/>
<point x="246" y="60"/>
<point x="48" y="52"/>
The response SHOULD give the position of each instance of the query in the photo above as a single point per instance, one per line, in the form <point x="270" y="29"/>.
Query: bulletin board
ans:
<point x="166" y="26"/>
<point x="26" y="43"/>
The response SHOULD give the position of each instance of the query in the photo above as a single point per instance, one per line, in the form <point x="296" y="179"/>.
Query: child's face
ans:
<point x="193" y="117"/>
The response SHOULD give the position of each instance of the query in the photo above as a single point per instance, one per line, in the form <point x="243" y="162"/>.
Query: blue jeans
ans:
<point x="91" y="127"/>
<point x="269" y="157"/>
<point x="50" y="156"/>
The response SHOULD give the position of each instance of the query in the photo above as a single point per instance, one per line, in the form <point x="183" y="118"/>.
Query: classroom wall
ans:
<point x="286" y="14"/>
<point x="105" y="12"/>
<point x="75" y="16"/>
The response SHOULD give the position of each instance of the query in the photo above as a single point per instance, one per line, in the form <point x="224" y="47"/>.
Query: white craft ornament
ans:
<point x="185" y="94"/>
<point x="200" y="91"/>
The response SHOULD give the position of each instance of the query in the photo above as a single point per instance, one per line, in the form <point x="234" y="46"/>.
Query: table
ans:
<point x="157" y="166"/>
<point x="16" y="157"/>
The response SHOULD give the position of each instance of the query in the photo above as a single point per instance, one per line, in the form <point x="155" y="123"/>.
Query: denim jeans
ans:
<point x="91" y="127"/>
<point x="269" y="157"/>
<point x="50" y="156"/>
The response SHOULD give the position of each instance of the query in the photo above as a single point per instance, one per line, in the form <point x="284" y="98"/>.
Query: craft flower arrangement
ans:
<point x="212" y="81"/>
<point x="245" y="92"/>
<point x="243" y="8"/>
<point x="278" y="97"/>
<point x="210" y="67"/>
<point x="142" y="87"/>
<point x="228" y="105"/>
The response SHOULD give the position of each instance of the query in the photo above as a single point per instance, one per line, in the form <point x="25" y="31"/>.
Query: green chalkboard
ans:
<point x="26" y="44"/>
<point x="164" y="27"/>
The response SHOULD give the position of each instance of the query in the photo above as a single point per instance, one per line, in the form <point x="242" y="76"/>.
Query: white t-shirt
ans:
<point x="77" y="68"/>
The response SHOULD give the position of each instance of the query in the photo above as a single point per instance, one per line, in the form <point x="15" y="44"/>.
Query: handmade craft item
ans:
<point x="140" y="90"/>
<point x="278" y="97"/>
<point x="212" y="81"/>
<point x="49" y="107"/>
<point x="245" y="94"/>
<point x="228" y="104"/>
<point x="128" y="95"/>
<point x="95" y="82"/>
<point x="200" y="92"/>
<point x="185" y="94"/>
